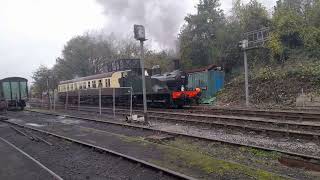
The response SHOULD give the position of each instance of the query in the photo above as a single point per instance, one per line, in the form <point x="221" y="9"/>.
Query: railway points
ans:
<point x="71" y="158"/>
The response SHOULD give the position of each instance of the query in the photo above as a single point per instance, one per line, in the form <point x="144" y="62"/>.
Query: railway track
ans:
<point x="160" y="170"/>
<point x="295" y="115"/>
<point x="28" y="157"/>
<point x="307" y="129"/>
<point x="290" y="153"/>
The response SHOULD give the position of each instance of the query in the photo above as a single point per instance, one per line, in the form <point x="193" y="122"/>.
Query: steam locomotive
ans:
<point x="124" y="76"/>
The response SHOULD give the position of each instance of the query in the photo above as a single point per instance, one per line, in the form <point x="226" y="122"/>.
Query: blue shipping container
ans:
<point x="210" y="82"/>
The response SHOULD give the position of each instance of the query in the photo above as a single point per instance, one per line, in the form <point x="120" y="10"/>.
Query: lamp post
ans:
<point x="139" y="34"/>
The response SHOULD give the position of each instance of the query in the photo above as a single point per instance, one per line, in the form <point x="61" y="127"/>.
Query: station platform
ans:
<point x="16" y="166"/>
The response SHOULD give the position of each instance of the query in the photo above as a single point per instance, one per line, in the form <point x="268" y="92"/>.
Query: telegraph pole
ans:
<point x="139" y="34"/>
<point x="252" y="40"/>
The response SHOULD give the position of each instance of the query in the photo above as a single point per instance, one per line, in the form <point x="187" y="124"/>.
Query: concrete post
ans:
<point x="246" y="78"/>
<point x="100" y="101"/>
<point x="131" y="101"/>
<point x="79" y="98"/>
<point x="114" y="102"/>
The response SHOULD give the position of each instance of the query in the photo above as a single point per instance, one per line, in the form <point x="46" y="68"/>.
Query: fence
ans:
<point x="86" y="98"/>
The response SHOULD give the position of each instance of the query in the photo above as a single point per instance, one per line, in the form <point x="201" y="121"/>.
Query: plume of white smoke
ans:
<point x="161" y="18"/>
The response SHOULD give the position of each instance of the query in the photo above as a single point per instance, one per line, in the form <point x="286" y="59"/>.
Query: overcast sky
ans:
<point x="33" y="32"/>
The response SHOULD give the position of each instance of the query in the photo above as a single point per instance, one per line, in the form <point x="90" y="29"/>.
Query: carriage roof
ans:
<point x="97" y="76"/>
<point x="13" y="79"/>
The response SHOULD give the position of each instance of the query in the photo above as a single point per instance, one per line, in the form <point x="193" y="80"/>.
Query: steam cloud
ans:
<point x="161" y="18"/>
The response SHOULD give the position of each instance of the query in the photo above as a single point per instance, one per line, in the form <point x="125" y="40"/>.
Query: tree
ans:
<point x="209" y="37"/>
<point x="198" y="37"/>
<point x="44" y="81"/>
<point x="83" y="56"/>
<point x="251" y="16"/>
<point x="296" y="26"/>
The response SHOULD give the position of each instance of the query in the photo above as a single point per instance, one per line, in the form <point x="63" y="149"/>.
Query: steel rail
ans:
<point x="308" y="157"/>
<point x="127" y="157"/>
<point x="217" y="120"/>
<point x="259" y="112"/>
<point x="55" y="176"/>
<point x="20" y="132"/>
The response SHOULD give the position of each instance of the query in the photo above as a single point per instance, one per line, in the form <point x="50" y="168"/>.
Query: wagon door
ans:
<point x="23" y="90"/>
<point x="6" y="87"/>
<point x="15" y="89"/>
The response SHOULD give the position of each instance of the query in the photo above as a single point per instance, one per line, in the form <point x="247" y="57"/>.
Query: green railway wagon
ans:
<point x="14" y="90"/>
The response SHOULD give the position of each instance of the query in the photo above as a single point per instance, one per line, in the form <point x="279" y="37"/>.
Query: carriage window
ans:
<point x="94" y="84"/>
<point x="88" y="84"/>
<point x="106" y="82"/>
<point x="84" y="85"/>
<point x="100" y="83"/>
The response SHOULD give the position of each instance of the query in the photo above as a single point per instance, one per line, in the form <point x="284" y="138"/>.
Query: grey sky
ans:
<point x="33" y="32"/>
